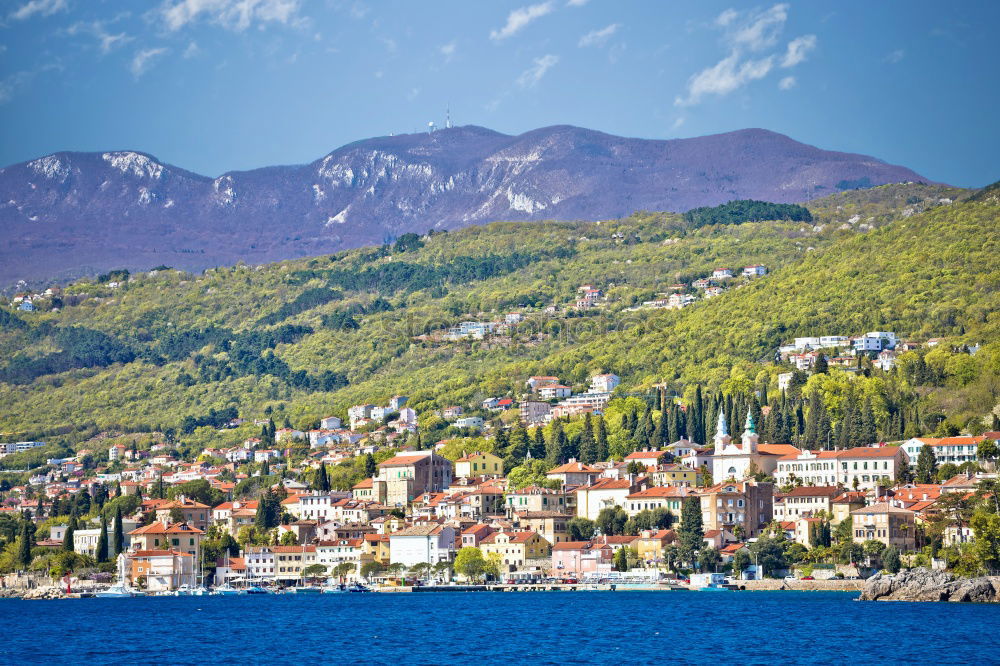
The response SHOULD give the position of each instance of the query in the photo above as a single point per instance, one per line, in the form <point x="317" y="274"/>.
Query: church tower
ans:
<point x="722" y="437"/>
<point x="750" y="436"/>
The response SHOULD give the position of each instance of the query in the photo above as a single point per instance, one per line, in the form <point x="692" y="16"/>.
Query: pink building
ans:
<point x="577" y="558"/>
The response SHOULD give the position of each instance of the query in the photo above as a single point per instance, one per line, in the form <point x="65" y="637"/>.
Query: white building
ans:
<point x="555" y="391"/>
<point x="422" y="543"/>
<point x="359" y="413"/>
<point x="722" y="273"/>
<point x="955" y="450"/>
<point x="330" y="423"/>
<point x="785" y="380"/>
<point x="469" y="422"/>
<point x="754" y="271"/>
<point x="866" y="344"/>
<point x="869" y="465"/>
<point x="605" y="383"/>
<point x="260" y="563"/>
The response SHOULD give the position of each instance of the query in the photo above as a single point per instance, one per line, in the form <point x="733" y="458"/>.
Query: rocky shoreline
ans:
<point x="926" y="585"/>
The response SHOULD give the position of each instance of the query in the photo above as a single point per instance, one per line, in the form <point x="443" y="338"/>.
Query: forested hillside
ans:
<point x="302" y="339"/>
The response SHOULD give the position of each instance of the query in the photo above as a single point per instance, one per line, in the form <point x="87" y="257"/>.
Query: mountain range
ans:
<point x="71" y="214"/>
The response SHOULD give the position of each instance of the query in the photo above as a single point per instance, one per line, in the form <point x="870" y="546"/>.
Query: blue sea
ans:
<point x="490" y="627"/>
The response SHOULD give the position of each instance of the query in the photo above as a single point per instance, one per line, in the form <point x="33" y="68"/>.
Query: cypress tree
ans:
<point x="821" y="367"/>
<point x="24" y="547"/>
<point x="926" y="465"/>
<point x="661" y="432"/>
<point x="696" y="422"/>
<point x="601" y="438"/>
<point x="39" y="510"/>
<point x="555" y="444"/>
<point x="673" y="426"/>
<point x="811" y="436"/>
<point x="644" y="432"/>
<point x="118" y="535"/>
<point x="102" y="542"/>
<point x="868" y="430"/>
<point x="690" y="533"/>
<point x="537" y="448"/>
<point x="67" y="544"/>
<point x="588" y="446"/>
<point x="370" y="467"/>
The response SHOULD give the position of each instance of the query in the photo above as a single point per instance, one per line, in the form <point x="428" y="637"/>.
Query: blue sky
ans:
<point x="215" y="85"/>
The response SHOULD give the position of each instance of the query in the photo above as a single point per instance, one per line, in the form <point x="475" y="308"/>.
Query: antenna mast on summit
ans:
<point x="447" y="117"/>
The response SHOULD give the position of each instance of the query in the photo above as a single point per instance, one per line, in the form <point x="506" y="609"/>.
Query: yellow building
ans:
<point x="376" y="547"/>
<point x="479" y="464"/>
<point x="289" y="561"/>
<point x="673" y="474"/>
<point x="552" y="525"/>
<point x="650" y="544"/>
<point x="515" y="548"/>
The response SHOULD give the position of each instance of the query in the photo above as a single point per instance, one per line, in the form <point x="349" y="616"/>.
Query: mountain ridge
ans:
<point x="72" y="213"/>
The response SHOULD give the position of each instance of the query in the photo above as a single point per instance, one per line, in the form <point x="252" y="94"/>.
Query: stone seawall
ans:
<point x="773" y="584"/>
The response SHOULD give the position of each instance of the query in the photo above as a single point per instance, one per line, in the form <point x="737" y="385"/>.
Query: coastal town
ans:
<point x="526" y="505"/>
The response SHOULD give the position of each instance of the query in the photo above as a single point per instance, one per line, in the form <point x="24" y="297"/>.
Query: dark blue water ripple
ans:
<point x="487" y="628"/>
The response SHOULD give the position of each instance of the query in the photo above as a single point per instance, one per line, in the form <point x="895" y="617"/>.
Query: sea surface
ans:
<point x="491" y="628"/>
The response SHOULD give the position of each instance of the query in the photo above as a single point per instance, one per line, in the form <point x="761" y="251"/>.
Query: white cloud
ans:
<point x="727" y="17"/>
<point x="358" y="10"/>
<point x="798" y="49"/>
<point x="531" y="76"/>
<point x="576" y="3"/>
<point x="519" y="18"/>
<point x="39" y="7"/>
<point x="448" y="50"/>
<point x="107" y="42"/>
<point x="895" y="56"/>
<point x="724" y="77"/>
<point x="237" y="15"/>
<point x="191" y="51"/>
<point x="745" y="35"/>
<point x="143" y="59"/>
<point x="599" y="37"/>
<point x="759" y="30"/>
<point x="678" y="122"/>
<point x="10" y="85"/>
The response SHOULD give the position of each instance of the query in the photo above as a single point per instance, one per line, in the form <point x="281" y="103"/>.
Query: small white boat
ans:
<point x="117" y="592"/>
<point x="338" y="588"/>
<point x="121" y="589"/>
<point x="226" y="590"/>
<point x="305" y="589"/>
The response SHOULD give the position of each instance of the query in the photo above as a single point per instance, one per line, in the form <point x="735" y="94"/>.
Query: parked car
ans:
<point x="807" y="578"/>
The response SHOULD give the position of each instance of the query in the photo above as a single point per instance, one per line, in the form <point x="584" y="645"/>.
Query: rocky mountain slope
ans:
<point x="70" y="214"/>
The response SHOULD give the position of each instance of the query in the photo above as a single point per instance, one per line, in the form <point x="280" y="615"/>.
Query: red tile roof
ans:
<point x="160" y="528"/>
<point x="397" y="461"/>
